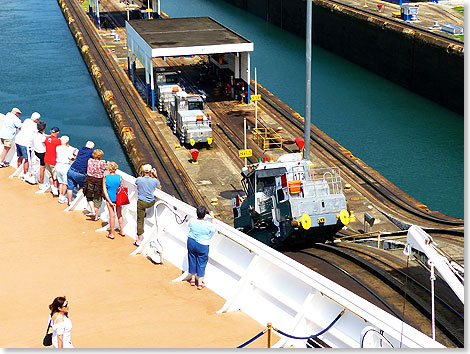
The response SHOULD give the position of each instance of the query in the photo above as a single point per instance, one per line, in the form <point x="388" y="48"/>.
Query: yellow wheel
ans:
<point x="192" y="142"/>
<point x="306" y="221"/>
<point x="209" y="141"/>
<point x="344" y="216"/>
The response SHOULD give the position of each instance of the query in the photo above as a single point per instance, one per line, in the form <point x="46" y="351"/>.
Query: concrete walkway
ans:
<point x="116" y="300"/>
<point x="428" y="12"/>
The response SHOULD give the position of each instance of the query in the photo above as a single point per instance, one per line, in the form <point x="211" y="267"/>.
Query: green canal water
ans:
<point x="416" y="144"/>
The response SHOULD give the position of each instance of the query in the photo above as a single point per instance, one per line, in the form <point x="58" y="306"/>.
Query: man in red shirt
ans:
<point x="52" y="141"/>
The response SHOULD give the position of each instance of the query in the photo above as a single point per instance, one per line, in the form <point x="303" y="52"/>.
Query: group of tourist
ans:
<point x="69" y="169"/>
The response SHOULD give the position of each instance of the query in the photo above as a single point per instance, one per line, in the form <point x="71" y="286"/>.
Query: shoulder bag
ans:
<point x="122" y="197"/>
<point x="47" y="341"/>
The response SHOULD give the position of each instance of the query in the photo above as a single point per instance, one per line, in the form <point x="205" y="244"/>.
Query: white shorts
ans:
<point x="61" y="170"/>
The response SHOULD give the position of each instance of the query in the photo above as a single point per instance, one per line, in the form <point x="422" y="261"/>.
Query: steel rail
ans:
<point x="117" y="85"/>
<point x="397" y="22"/>
<point x="402" y="273"/>
<point x="355" y="169"/>
<point x="416" y="299"/>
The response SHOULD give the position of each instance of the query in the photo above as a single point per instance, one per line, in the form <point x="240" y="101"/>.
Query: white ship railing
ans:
<point x="263" y="283"/>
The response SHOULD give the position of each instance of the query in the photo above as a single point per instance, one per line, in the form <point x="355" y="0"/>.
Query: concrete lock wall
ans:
<point x="420" y="62"/>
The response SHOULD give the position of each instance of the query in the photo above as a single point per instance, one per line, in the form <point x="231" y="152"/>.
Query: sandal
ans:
<point x="192" y="282"/>
<point x="135" y="244"/>
<point x="200" y="286"/>
<point x="123" y="235"/>
<point x="110" y="236"/>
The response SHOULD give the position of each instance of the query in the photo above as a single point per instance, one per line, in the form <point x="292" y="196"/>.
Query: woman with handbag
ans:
<point x="60" y="323"/>
<point x="111" y="183"/>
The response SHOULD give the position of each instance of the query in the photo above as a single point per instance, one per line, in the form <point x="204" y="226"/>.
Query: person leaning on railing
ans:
<point x="200" y="234"/>
<point x="111" y="183"/>
<point x="146" y="185"/>
<point x="77" y="171"/>
<point x="93" y="188"/>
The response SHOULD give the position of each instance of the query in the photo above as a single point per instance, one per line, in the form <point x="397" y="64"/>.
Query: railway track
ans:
<point x="374" y="277"/>
<point x="387" y="197"/>
<point x="392" y="20"/>
<point x="391" y="285"/>
<point x="172" y="175"/>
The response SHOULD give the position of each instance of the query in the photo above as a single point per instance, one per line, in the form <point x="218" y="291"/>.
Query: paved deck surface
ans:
<point x="116" y="300"/>
<point x="428" y="13"/>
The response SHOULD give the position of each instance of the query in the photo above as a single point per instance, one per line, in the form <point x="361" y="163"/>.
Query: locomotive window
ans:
<point x="195" y="105"/>
<point x="264" y="183"/>
<point x="171" y="79"/>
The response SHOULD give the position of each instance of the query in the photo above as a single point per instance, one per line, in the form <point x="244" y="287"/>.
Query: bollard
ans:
<point x="269" y="334"/>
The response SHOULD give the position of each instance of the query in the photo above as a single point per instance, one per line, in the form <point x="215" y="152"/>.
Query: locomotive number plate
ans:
<point x="321" y="220"/>
<point x="298" y="173"/>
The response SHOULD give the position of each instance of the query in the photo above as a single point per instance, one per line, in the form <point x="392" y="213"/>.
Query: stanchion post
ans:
<point x="244" y="135"/>
<point x="256" y="102"/>
<point x="270" y="326"/>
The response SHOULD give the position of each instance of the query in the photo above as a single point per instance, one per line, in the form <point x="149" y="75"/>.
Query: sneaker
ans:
<point x="54" y="191"/>
<point x="2" y="165"/>
<point x="62" y="199"/>
<point x="6" y="164"/>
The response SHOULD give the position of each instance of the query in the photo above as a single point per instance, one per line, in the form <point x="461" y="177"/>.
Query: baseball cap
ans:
<point x="15" y="110"/>
<point x="55" y="129"/>
<point x="90" y="144"/>
<point x="35" y="116"/>
<point x="147" y="168"/>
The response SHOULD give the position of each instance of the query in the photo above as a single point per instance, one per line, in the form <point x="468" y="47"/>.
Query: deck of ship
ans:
<point x="116" y="300"/>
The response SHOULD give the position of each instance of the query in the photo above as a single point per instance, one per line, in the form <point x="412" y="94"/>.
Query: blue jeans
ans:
<point x="75" y="179"/>
<point x="198" y="255"/>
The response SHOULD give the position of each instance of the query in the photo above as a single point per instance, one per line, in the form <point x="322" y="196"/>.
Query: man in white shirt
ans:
<point x="40" y="150"/>
<point x="8" y="132"/>
<point x="65" y="156"/>
<point x="24" y="140"/>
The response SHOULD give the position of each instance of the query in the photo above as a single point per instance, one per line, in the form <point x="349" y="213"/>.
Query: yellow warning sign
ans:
<point x="245" y="153"/>
<point x="255" y="97"/>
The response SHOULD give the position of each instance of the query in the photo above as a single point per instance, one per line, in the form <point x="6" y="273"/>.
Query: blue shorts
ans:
<point x="22" y="151"/>
<point x="75" y="179"/>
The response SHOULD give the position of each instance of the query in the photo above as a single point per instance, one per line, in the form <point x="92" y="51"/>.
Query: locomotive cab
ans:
<point x="289" y="202"/>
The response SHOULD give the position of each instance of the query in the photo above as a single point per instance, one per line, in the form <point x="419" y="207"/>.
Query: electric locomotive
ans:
<point x="289" y="203"/>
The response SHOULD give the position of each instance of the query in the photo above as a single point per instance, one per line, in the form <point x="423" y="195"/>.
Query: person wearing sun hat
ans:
<point x="146" y="186"/>
<point x="7" y="133"/>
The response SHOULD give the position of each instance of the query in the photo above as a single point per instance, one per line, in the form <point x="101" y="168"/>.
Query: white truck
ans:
<point x="189" y="121"/>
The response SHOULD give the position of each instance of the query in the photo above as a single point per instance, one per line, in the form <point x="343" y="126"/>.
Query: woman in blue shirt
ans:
<point x="111" y="183"/>
<point x="200" y="234"/>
